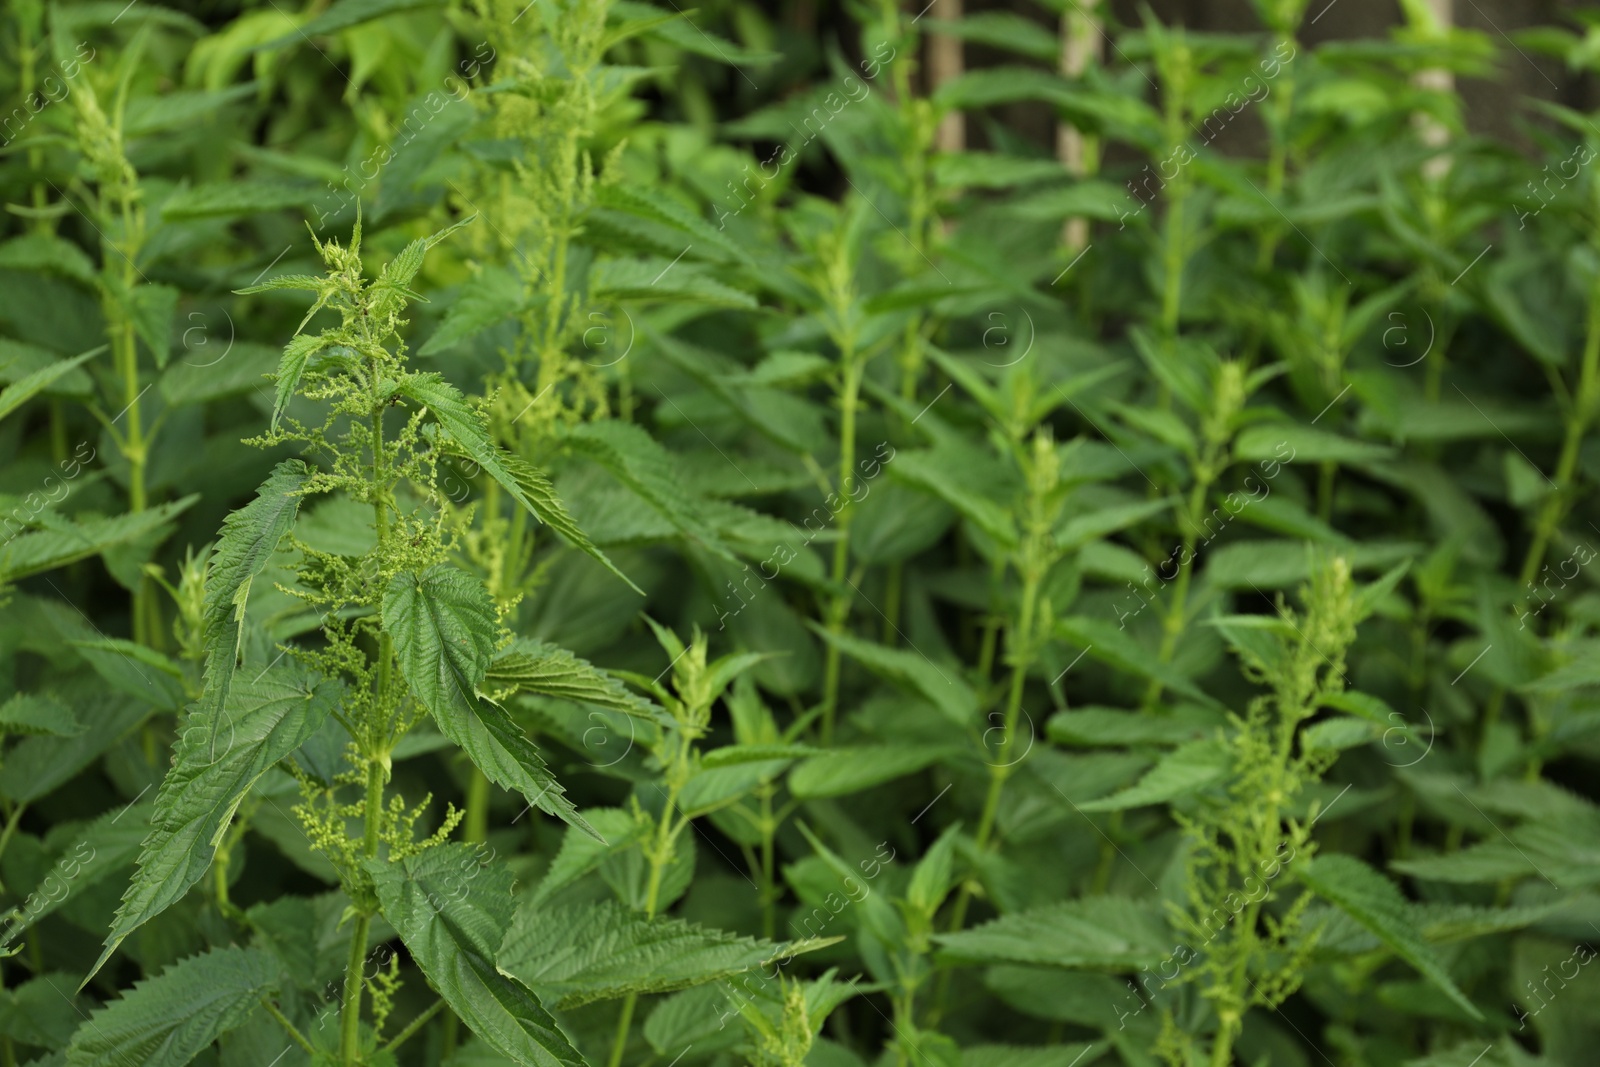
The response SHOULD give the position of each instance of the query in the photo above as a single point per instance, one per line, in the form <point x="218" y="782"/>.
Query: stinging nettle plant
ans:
<point x="406" y="636"/>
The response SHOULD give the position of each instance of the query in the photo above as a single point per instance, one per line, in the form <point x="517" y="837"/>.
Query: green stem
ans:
<point x="11" y="828"/>
<point x="660" y="855"/>
<point x="769" y="892"/>
<point x="1172" y="624"/>
<point x="416" y="1024"/>
<point x="1550" y="513"/>
<point x="283" y="1021"/>
<point x="476" y="824"/>
<point x="839" y="610"/>
<point x="350" y="1031"/>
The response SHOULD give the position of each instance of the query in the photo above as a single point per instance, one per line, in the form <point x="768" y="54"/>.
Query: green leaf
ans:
<point x="38" y="715"/>
<point x="296" y="354"/>
<point x="443" y="626"/>
<point x="1116" y="647"/>
<point x="1094" y="932"/>
<point x="1098" y="727"/>
<point x="100" y="850"/>
<point x="138" y="670"/>
<point x="931" y="878"/>
<point x="1003" y="30"/>
<point x="581" y="953"/>
<point x="734" y="755"/>
<point x="583" y="852"/>
<point x="235" y="198"/>
<point x="1180" y="773"/>
<point x="241" y="368"/>
<point x="168" y="1020"/>
<point x="1083" y="528"/>
<point x="641" y="463"/>
<point x="943" y="687"/>
<point x="390" y="290"/>
<point x="151" y="307"/>
<point x="215" y="764"/>
<point x="959" y="476"/>
<point x="1288" y="443"/>
<point x="345" y="14"/>
<point x="36" y="766"/>
<point x="465" y="427"/>
<point x="659" y="278"/>
<point x="1281" y="564"/>
<point x="452" y="909"/>
<point x="249" y="538"/>
<point x="684" y="34"/>
<point x="24" y="389"/>
<point x="46" y="252"/>
<point x="62" y="542"/>
<point x="850" y="770"/>
<point x="495" y="295"/>
<point x="668" y="212"/>
<point x="1373" y="901"/>
<point x="533" y="666"/>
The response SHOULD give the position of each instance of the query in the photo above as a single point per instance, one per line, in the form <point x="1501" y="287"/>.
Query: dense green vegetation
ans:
<point x="583" y="532"/>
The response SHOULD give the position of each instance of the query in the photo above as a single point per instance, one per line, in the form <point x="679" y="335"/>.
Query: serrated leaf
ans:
<point x="638" y="461"/>
<point x="215" y="764"/>
<point x="168" y="1020"/>
<point x="47" y="252"/>
<point x="62" y="542"/>
<point x="135" y="669"/>
<point x="668" y="212"/>
<point x="1117" y="648"/>
<point x="291" y="366"/>
<point x="850" y="770"/>
<point x="1373" y="901"/>
<point x="249" y="538"/>
<point x="443" y="626"/>
<point x="465" y="428"/>
<point x="533" y="666"/>
<point x="25" y="388"/>
<point x="493" y="296"/>
<point x="943" y="687"/>
<point x="684" y="34"/>
<point x="582" y="953"/>
<point x="225" y="199"/>
<point x="391" y="290"/>
<point x="451" y="910"/>
<point x="37" y="715"/>
<point x="583" y="852"/>
<point x="1093" y="932"/>
<point x="101" y="849"/>
<point x="1180" y="773"/>
<point x="663" y="279"/>
<point x="308" y="282"/>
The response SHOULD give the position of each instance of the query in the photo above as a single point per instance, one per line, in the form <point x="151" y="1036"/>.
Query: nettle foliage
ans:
<point x="406" y="636"/>
<point x="1113" y="599"/>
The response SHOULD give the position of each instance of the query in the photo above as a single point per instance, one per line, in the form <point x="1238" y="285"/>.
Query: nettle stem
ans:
<point x="1172" y="622"/>
<point x="659" y="856"/>
<point x="375" y="738"/>
<point x="1579" y="418"/>
<point x="839" y="609"/>
<point x="1022" y="653"/>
